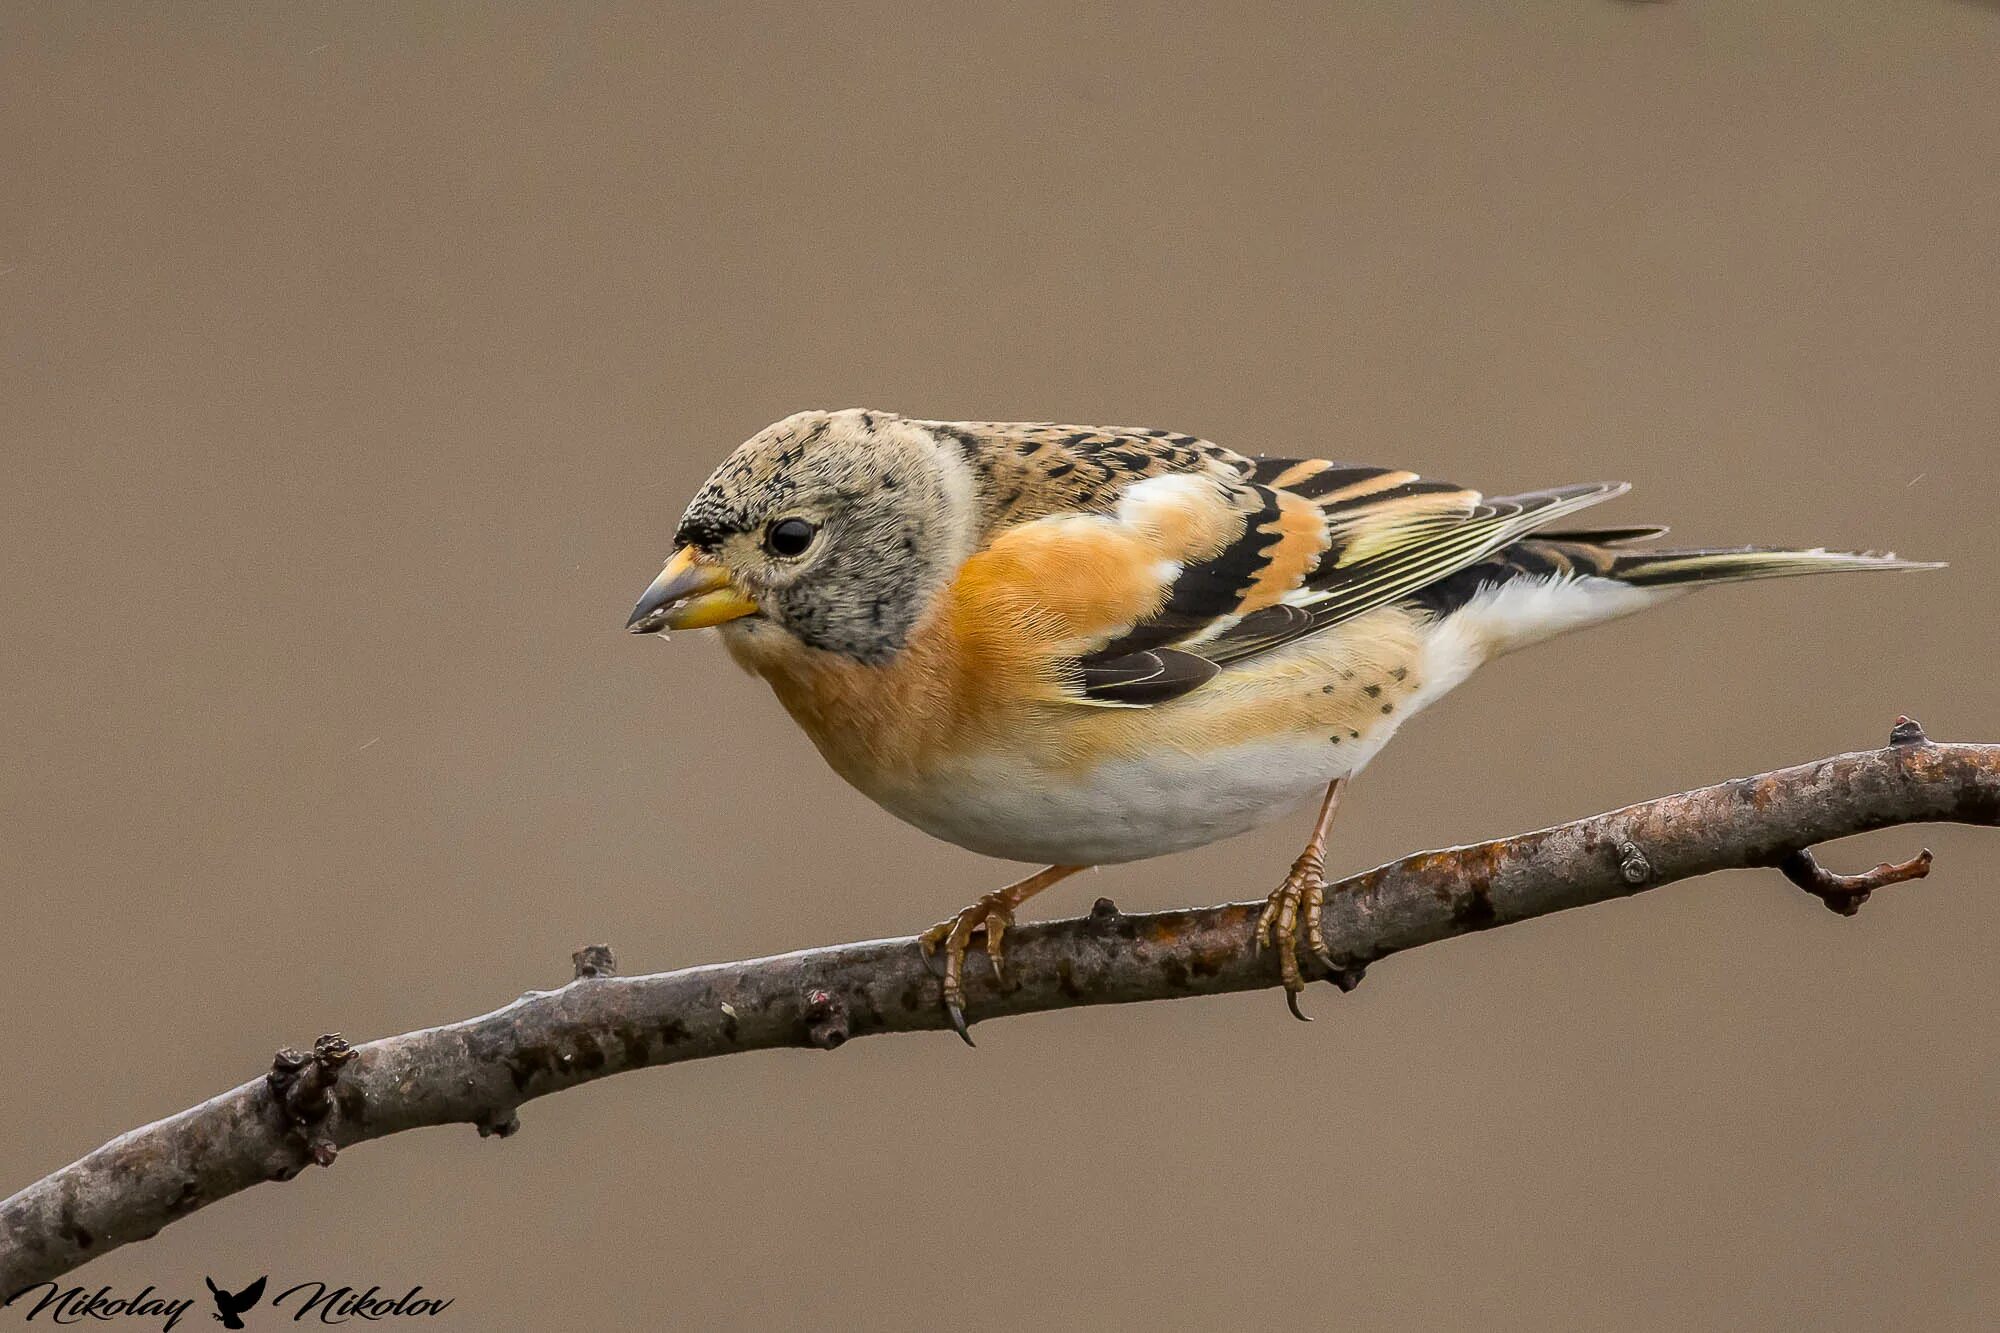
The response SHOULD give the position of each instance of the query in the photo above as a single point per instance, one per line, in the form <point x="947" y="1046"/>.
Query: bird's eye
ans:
<point x="790" y="537"/>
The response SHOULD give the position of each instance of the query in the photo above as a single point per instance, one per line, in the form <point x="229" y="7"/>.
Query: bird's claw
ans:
<point x="956" y="1013"/>
<point x="1346" y="976"/>
<point x="953" y="1011"/>
<point x="990" y="916"/>
<point x="1294" y="908"/>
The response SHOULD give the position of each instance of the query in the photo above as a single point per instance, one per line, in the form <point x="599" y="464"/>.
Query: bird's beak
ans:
<point x="692" y="592"/>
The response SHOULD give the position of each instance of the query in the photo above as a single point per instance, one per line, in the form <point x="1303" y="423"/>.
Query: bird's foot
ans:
<point x="1296" y="905"/>
<point x="990" y="916"/>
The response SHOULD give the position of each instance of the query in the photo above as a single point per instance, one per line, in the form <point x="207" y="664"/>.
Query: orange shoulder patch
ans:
<point x="1059" y="581"/>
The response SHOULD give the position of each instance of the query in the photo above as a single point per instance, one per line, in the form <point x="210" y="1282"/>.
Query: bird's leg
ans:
<point x="1300" y="899"/>
<point x="993" y="914"/>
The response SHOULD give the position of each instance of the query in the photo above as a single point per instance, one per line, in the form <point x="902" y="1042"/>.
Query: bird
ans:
<point x="1081" y="646"/>
<point x="230" y="1308"/>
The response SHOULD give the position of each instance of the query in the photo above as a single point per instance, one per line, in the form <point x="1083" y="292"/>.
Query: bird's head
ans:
<point x="836" y="529"/>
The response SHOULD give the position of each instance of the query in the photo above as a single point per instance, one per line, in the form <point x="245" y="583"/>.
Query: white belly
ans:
<point x="1126" y="809"/>
<point x="1123" y="809"/>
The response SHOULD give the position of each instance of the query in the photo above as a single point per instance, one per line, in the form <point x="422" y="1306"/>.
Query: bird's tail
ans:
<point x="1557" y="581"/>
<point x="1607" y="553"/>
<point x="1672" y="569"/>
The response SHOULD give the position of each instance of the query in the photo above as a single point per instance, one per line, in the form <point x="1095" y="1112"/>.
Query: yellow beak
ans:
<point x="692" y="592"/>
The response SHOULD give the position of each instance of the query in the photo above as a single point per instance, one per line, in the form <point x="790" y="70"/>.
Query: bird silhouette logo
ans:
<point x="229" y="1309"/>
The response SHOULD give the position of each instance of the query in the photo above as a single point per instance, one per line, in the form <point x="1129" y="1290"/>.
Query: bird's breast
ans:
<point x="1006" y="804"/>
<point x="975" y="752"/>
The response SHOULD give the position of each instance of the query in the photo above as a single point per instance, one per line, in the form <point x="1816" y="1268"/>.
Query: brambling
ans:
<point x="1081" y="646"/>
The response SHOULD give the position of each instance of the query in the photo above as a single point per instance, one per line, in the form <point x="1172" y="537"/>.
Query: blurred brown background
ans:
<point x="358" y="359"/>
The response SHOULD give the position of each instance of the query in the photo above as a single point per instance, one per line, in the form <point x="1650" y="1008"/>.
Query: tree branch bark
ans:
<point x="478" y="1071"/>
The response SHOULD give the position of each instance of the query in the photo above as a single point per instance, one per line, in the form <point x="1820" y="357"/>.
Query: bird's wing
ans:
<point x="1141" y="590"/>
<point x="250" y="1295"/>
<point x="1391" y="534"/>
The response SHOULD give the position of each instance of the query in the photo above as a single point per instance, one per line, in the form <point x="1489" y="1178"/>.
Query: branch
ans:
<point x="478" y="1071"/>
